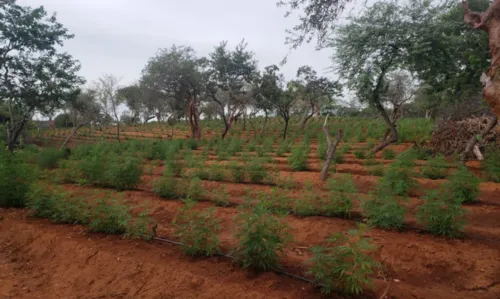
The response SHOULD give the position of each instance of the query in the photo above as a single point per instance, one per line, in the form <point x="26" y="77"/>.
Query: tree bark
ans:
<point x="194" y="120"/>
<point x="473" y="140"/>
<point x="332" y="148"/>
<point x="72" y="133"/>
<point x="14" y="135"/>
<point x="305" y="119"/>
<point x="265" y="123"/>
<point x="489" y="21"/>
<point x="286" y="128"/>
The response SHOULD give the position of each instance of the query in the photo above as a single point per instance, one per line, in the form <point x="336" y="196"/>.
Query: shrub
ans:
<point x="49" y="158"/>
<point x="491" y="163"/>
<point x="436" y="168"/>
<point x="195" y="190"/>
<point x="221" y="196"/>
<point x="338" y="202"/>
<point x="384" y="211"/>
<point x="198" y="230"/>
<point x="283" y="148"/>
<point x="339" y="157"/>
<point x="377" y="170"/>
<point x="322" y="150"/>
<point x="216" y="173"/>
<point x="346" y="148"/>
<point x="345" y="265"/>
<point x="441" y="216"/>
<point x="109" y="218"/>
<point x="388" y="154"/>
<point x="237" y="173"/>
<point x="53" y="204"/>
<point x="256" y="171"/>
<point x="175" y="166"/>
<point x="298" y="159"/>
<point x="360" y="154"/>
<point x="166" y="187"/>
<point x="15" y="180"/>
<point x="464" y="185"/>
<point x="124" y="175"/>
<point x="261" y="237"/>
<point x="397" y="180"/>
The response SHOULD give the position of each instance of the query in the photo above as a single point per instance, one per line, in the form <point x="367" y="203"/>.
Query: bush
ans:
<point x="436" y="168"/>
<point x="256" y="171"/>
<point x="283" y="148"/>
<point x="398" y="179"/>
<point x="441" y="216"/>
<point x="237" y="173"/>
<point x="377" y="170"/>
<point x="491" y="163"/>
<point x="195" y="190"/>
<point x="345" y="265"/>
<point x="124" y="175"/>
<point x="298" y="159"/>
<point x="388" y="154"/>
<point x="261" y="237"/>
<point x="166" y="187"/>
<point x="338" y="202"/>
<point x="309" y="203"/>
<point x="109" y="218"/>
<point x="15" y="180"/>
<point x="49" y="158"/>
<point x="216" y="173"/>
<point x="221" y="197"/>
<point x="384" y="211"/>
<point x="463" y="185"/>
<point x="198" y="230"/>
<point x="360" y="155"/>
<point x="339" y="157"/>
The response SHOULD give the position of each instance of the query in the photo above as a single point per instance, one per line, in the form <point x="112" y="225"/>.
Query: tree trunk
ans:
<point x="428" y="113"/>
<point x="332" y="148"/>
<point x="226" y="129"/>
<point x="391" y="135"/>
<point x="118" y="130"/>
<point x="473" y="140"/>
<point x="286" y="128"/>
<point x="244" y="121"/>
<point x="304" y="121"/>
<point x="194" y="120"/>
<point x="14" y="135"/>
<point x="489" y="21"/>
<point x="73" y="132"/>
<point x="265" y="123"/>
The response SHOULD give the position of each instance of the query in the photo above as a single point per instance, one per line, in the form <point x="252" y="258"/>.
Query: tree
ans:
<point x="83" y="111"/>
<point x="180" y="78"/>
<point x="34" y="76"/>
<point x="285" y="102"/>
<point x="269" y="92"/>
<point x="107" y="93"/>
<point x="401" y="88"/>
<point x="367" y="50"/>
<point x="489" y="21"/>
<point x="232" y="78"/>
<point x="315" y="92"/>
<point x="132" y="96"/>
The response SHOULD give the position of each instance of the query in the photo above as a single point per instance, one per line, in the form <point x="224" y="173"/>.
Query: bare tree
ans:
<point x="107" y="93"/>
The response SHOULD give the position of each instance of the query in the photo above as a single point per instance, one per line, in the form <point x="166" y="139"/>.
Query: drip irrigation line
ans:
<point x="277" y="271"/>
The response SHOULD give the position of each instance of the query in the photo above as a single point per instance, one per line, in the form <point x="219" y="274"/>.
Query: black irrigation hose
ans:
<point x="278" y="271"/>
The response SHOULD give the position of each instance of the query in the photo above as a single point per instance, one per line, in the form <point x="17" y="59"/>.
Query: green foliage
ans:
<point x="256" y="171"/>
<point x="388" y="154"/>
<point x="377" y="170"/>
<point x="435" y="168"/>
<point x="283" y="148"/>
<point x="109" y="216"/>
<point x="491" y="163"/>
<point x="398" y="179"/>
<point x="195" y="190"/>
<point x="216" y="173"/>
<point x="338" y="202"/>
<point x="16" y="178"/>
<point x="123" y="175"/>
<point x="345" y="265"/>
<point x="175" y="166"/>
<point x="237" y="173"/>
<point x="166" y="187"/>
<point x="49" y="158"/>
<point x="298" y="159"/>
<point x="360" y="154"/>
<point x="441" y="215"/>
<point x="384" y="211"/>
<point x="221" y="196"/>
<point x="197" y="230"/>
<point x="261" y="237"/>
<point x="339" y="157"/>
<point x="463" y="185"/>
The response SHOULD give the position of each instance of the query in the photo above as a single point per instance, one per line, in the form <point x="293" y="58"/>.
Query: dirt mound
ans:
<point x="42" y="260"/>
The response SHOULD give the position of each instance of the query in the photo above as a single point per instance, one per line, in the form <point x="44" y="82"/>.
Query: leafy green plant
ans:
<point x="221" y="196"/>
<point x="216" y="173"/>
<point x="441" y="215"/>
<point x="298" y="159"/>
<point x="338" y="202"/>
<point x="464" y="185"/>
<point x="237" y="173"/>
<point x="109" y="216"/>
<point x="49" y="158"/>
<point x="435" y="168"/>
<point x="16" y="178"/>
<point x="377" y="170"/>
<point x="491" y="163"/>
<point x="397" y="180"/>
<point x="124" y="175"/>
<point x="388" y="154"/>
<point x="360" y="154"/>
<point x="195" y="190"/>
<point x="166" y="187"/>
<point x="261" y="237"/>
<point x="345" y="265"/>
<point x="256" y="171"/>
<point x="339" y="157"/>
<point x="197" y="230"/>
<point x="384" y="211"/>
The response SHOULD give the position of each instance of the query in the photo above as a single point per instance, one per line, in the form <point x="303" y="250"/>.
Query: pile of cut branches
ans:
<point x="451" y="137"/>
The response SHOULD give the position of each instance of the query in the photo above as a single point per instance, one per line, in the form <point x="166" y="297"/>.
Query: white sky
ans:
<point x="119" y="36"/>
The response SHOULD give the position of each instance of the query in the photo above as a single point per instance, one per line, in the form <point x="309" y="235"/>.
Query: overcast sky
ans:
<point x="119" y="36"/>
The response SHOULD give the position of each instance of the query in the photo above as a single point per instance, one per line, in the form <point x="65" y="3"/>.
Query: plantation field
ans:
<point x="434" y="225"/>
